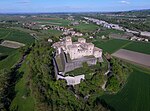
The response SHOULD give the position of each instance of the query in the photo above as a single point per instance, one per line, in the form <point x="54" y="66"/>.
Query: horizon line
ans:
<point x="5" y="13"/>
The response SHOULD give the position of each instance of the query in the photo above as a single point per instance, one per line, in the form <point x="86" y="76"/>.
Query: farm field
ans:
<point x="112" y="45"/>
<point x="16" y="35"/>
<point x="135" y="94"/>
<point x="10" y="60"/>
<point x="12" y="55"/>
<point x="86" y="27"/>
<point x="21" y="37"/>
<point x="135" y="57"/>
<point x="107" y="32"/>
<point x="4" y="33"/>
<point x="54" y="21"/>
<point x="139" y="47"/>
<point x="52" y="32"/>
<point x="6" y="50"/>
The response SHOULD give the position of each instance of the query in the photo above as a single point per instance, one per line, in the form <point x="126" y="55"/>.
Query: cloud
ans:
<point x="124" y="2"/>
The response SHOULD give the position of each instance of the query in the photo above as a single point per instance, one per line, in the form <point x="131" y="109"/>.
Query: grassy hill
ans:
<point x="23" y="100"/>
<point x="10" y="60"/>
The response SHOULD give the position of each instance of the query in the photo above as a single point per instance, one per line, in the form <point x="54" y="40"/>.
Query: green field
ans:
<point x="4" y="33"/>
<point x="135" y="96"/>
<point x="54" y="21"/>
<point x="6" y="50"/>
<point x="13" y="57"/>
<point x="107" y="32"/>
<point x="86" y="27"/>
<point x="13" y="54"/>
<point x="16" y="35"/>
<point x="139" y="47"/>
<point x="10" y="60"/>
<point x="111" y="45"/>
<point x="51" y="32"/>
<point x="20" y="37"/>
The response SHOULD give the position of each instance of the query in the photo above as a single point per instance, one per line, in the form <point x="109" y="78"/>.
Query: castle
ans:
<point x="71" y="55"/>
<point x="78" y="49"/>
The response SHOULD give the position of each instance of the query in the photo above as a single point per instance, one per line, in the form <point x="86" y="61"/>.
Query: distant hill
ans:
<point x="134" y="12"/>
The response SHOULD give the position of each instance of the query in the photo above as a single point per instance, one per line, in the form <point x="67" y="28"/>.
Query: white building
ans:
<point x="145" y="34"/>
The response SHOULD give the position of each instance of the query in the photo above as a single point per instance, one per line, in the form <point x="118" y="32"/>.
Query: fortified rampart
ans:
<point x="74" y="64"/>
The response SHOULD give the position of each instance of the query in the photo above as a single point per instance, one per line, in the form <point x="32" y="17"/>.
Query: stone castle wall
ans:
<point x="74" y="64"/>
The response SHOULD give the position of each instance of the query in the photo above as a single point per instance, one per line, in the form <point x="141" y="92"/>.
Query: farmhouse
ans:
<point x="71" y="55"/>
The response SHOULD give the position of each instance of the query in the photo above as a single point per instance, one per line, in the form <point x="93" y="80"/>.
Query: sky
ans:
<point x="37" y="6"/>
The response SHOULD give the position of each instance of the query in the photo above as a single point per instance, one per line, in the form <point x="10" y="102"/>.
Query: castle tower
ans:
<point x="81" y="40"/>
<point x="68" y="41"/>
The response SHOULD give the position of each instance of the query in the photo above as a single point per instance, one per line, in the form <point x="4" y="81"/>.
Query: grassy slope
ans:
<point x="20" y="37"/>
<point x="13" y="54"/>
<point x="10" y="60"/>
<point x="6" y="50"/>
<point x="4" y="33"/>
<point x="21" y="100"/>
<point x="135" y="96"/>
<point x="16" y="35"/>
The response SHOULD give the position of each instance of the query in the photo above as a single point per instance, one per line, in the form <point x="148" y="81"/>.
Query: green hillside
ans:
<point x="13" y="55"/>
